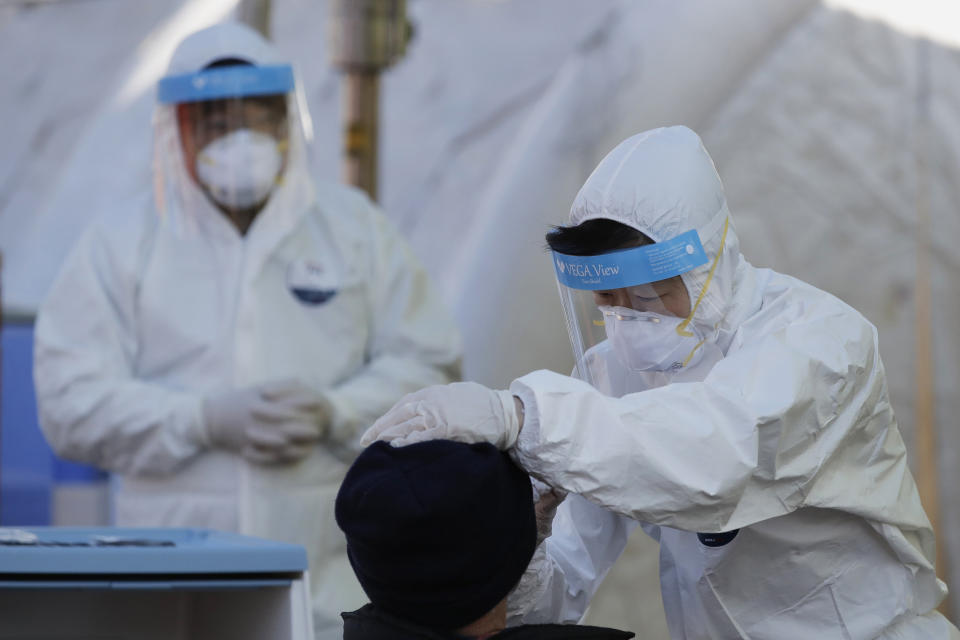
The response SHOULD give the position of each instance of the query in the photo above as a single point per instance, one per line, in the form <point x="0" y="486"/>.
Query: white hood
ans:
<point x="662" y="183"/>
<point x="224" y="40"/>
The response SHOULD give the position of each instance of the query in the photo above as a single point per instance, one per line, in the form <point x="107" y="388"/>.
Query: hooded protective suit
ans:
<point x="153" y="313"/>
<point x="773" y="476"/>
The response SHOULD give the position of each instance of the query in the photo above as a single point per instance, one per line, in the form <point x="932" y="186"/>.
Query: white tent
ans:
<point x="834" y="125"/>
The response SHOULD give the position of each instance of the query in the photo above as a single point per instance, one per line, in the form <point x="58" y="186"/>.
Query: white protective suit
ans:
<point x="150" y="314"/>
<point x="787" y="443"/>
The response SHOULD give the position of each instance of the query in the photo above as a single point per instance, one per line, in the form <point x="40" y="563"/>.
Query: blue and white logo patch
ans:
<point x="311" y="282"/>
<point x="630" y="267"/>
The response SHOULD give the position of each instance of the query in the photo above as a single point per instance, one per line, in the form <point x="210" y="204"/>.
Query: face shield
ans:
<point x="229" y="136"/>
<point x="630" y="317"/>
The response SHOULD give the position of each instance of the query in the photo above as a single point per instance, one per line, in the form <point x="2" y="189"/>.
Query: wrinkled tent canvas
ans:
<point x="834" y="126"/>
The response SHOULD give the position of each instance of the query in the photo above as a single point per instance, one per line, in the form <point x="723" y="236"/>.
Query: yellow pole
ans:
<point x="361" y="102"/>
<point x="925" y="438"/>
<point x="255" y="13"/>
<point x="364" y="37"/>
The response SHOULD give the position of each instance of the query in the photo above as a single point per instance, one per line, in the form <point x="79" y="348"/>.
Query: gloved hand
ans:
<point x="462" y="411"/>
<point x="545" y="502"/>
<point x="273" y="423"/>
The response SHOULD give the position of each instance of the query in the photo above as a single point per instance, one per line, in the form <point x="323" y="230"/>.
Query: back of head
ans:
<point x="437" y="532"/>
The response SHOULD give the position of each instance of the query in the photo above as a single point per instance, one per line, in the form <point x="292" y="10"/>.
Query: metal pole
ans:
<point x="361" y="114"/>
<point x="255" y="13"/>
<point x="925" y="436"/>
<point x="364" y="37"/>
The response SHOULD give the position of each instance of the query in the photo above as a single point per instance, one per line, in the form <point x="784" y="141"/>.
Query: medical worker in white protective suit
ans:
<point x="223" y="349"/>
<point x="739" y="415"/>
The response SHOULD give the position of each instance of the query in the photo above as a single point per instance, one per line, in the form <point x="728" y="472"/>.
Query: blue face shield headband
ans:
<point x="630" y="327"/>
<point x="226" y="82"/>
<point x="631" y="267"/>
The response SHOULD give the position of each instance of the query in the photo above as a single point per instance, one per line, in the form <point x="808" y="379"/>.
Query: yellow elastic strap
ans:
<point x="682" y="327"/>
<point x="693" y="351"/>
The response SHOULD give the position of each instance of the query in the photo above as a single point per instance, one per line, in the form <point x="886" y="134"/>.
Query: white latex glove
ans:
<point x="462" y="411"/>
<point x="273" y="423"/>
<point x="545" y="502"/>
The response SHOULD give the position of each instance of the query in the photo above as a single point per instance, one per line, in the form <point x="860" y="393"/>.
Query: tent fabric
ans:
<point x="833" y="125"/>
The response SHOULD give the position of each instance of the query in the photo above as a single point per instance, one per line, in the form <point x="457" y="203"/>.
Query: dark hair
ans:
<point x="593" y="237"/>
<point x="228" y="62"/>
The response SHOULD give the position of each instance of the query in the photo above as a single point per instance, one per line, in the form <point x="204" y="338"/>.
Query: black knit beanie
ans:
<point x="438" y="532"/>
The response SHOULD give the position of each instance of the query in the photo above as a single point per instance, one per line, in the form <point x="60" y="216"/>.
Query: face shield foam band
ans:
<point x="226" y="82"/>
<point x="631" y="267"/>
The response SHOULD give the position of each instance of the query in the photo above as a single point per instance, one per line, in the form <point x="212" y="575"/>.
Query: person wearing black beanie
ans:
<point x="438" y="533"/>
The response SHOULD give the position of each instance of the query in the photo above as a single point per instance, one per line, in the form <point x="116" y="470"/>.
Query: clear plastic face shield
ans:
<point x="227" y="136"/>
<point x="630" y="316"/>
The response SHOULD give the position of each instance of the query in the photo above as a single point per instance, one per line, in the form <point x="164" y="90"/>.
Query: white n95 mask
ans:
<point x="645" y="341"/>
<point x="240" y="169"/>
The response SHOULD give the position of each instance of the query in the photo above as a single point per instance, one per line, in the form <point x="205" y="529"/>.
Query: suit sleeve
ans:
<point x="92" y="409"/>
<point x="569" y="566"/>
<point x="776" y="425"/>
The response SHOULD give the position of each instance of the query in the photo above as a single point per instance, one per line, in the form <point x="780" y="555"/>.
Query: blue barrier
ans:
<point x="29" y="470"/>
